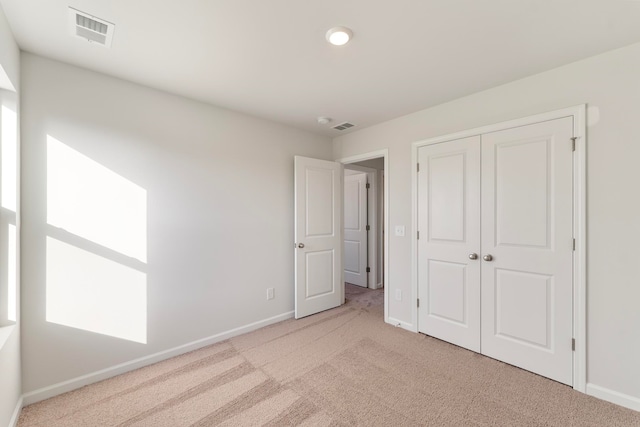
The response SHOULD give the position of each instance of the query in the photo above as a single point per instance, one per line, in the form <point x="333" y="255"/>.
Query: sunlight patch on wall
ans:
<point x="9" y="203"/>
<point x="9" y="152"/>
<point x="91" y="201"/>
<point x="90" y="292"/>
<point x="90" y="287"/>
<point x="12" y="282"/>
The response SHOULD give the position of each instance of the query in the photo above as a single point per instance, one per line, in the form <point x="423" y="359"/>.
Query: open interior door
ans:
<point x="318" y="236"/>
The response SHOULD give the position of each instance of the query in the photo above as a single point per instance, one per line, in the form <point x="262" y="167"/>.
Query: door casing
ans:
<point x="578" y="113"/>
<point x="368" y="156"/>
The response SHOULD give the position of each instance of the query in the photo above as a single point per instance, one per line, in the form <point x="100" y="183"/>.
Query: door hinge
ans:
<point x="574" y="244"/>
<point x="418" y="167"/>
<point x="418" y="232"/>
<point x="368" y="227"/>
<point x="418" y="302"/>
<point x="368" y="186"/>
<point x="573" y="344"/>
<point x="368" y="269"/>
<point x="573" y="143"/>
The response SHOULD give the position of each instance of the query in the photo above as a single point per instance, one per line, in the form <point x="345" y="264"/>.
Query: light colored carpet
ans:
<point x="340" y="367"/>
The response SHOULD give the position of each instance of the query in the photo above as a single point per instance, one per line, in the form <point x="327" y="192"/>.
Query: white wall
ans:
<point x="10" y="388"/>
<point x="9" y="52"/>
<point x="377" y="164"/>
<point x="219" y="218"/>
<point x="10" y="382"/>
<point x="610" y="85"/>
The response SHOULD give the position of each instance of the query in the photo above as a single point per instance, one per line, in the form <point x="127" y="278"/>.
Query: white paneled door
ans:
<point x="318" y="235"/>
<point x="355" y="229"/>
<point x="449" y="221"/>
<point x="527" y="247"/>
<point x="495" y="254"/>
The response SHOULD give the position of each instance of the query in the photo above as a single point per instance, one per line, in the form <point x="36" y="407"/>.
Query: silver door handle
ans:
<point x="300" y="245"/>
<point x="487" y="257"/>
<point x="473" y="256"/>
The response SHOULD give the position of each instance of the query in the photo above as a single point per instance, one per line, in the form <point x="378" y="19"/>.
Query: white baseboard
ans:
<point x="72" y="384"/>
<point x="613" y="397"/>
<point x="404" y="325"/>
<point x="13" y="422"/>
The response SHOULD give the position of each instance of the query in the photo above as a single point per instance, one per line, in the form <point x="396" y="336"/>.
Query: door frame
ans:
<point x="372" y="220"/>
<point x="384" y="153"/>
<point x="578" y="113"/>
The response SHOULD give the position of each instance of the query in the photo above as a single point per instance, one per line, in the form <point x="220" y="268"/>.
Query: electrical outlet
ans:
<point x="399" y="294"/>
<point x="399" y="230"/>
<point x="270" y="293"/>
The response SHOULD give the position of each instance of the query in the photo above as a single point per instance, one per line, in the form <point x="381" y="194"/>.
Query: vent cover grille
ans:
<point x="343" y="126"/>
<point x="91" y="24"/>
<point x="90" y="28"/>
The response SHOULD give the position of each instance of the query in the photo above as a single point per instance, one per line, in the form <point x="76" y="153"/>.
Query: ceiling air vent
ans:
<point x="343" y="126"/>
<point x="90" y="28"/>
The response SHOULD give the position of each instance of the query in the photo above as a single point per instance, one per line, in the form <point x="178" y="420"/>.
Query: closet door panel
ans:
<point x="448" y="220"/>
<point x="527" y="294"/>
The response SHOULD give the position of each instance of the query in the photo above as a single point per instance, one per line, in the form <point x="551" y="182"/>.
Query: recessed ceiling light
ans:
<point x="339" y="35"/>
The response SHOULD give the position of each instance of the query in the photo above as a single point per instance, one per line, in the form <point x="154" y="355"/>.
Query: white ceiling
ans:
<point x="269" y="58"/>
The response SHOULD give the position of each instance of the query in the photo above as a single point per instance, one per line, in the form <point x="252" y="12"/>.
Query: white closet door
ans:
<point x="527" y="247"/>
<point x="355" y="229"/>
<point x="449" y="223"/>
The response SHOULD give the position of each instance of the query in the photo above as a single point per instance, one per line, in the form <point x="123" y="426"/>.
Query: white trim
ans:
<point x="13" y="422"/>
<point x="380" y="216"/>
<point x="578" y="113"/>
<point x="384" y="153"/>
<point x="524" y="121"/>
<point x="580" y="255"/>
<point x="400" y="324"/>
<point x="616" y="397"/>
<point x="74" y="383"/>
<point x="414" y="237"/>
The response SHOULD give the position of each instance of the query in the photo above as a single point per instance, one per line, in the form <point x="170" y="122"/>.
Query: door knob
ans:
<point x="473" y="256"/>
<point x="487" y="257"/>
<point x="301" y="245"/>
